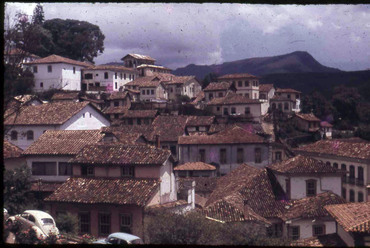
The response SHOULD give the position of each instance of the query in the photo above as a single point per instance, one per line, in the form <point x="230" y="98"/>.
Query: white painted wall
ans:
<point x="345" y="236"/>
<point x="298" y="185"/>
<point x="167" y="187"/>
<point x="306" y="227"/>
<point x="98" y="76"/>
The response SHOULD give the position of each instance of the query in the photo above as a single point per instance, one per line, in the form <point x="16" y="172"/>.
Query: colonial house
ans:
<point x="326" y="129"/>
<point x="48" y="156"/>
<point x="182" y="86"/>
<point x="18" y="57"/>
<point x="56" y="72"/>
<point x="149" y="70"/>
<point x="12" y="156"/>
<point x="352" y="222"/>
<point x="133" y="60"/>
<point x="139" y="117"/>
<point x="150" y="87"/>
<point x="112" y="184"/>
<point x="115" y="113"/>
<point x="195" y="169"/>
<point x="107" y="77"/>
<point x="25" y="126"/>
<point x="350" y="155"/>
<point x="199" y="124"/>
<point x="306" y="122"/>
<point x="266" y="91"/>
<point x="251" y="195"/>
<point x="233" y="104"/>
<point x="286" y="100"/>
<point x="226" y="149"/>
<point x="119" y="98"/>
<point x="217" y="90"/>
<point x="246" y="84"/>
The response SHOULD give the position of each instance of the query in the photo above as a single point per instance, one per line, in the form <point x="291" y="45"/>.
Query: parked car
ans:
<point x="42" y="222"/>
<point x="120" y="238"/>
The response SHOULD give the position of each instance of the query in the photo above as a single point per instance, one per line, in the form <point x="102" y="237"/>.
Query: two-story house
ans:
<point x="306" y="122"/>
<point x="182" y="86"/>
<point x="56" y="72"/>
<point x="150" y="87"/>
<point x="25" y="126"/>
<point x="139" y="117"/>
<point x="246" y="84"/>
<point x="217" y="90"/>
<point x="107" y="77"/>
<point x="286" y="100"/>
<point x="266" y="92"/>
<point x="350" y="155"/>
<point x="133" y="60"/>
<point x="112" y="184"/>
<point x="226" y="149"/>
<point x="149" y="70"/>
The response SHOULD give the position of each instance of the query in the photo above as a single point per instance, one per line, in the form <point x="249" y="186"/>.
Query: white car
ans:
<point x="120" y="238"/>
<point x="42" y="222"/>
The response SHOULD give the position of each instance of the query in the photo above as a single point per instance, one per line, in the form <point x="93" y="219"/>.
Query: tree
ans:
<point x="317" y="103"/>
<point x="38" y="15"/>
<point x="211" y="77"/>
<point x="345" y="100"/>
<point x="67" y="223"/>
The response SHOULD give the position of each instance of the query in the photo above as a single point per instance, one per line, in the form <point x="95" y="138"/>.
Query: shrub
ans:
<point x="67" y="223"/>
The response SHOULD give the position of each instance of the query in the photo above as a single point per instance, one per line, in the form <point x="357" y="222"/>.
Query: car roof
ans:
<point x="38" y="213"/>
<point x="124" y="236"/>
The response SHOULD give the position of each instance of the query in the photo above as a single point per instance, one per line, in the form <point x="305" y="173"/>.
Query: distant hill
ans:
<point x="296" y="62"/>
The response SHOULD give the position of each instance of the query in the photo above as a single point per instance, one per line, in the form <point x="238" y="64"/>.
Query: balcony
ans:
<point x="359" y="182"/>
<point x="351" y="180"/>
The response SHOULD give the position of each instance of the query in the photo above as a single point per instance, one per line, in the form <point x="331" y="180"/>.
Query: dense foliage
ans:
<point x="67" y="223"/>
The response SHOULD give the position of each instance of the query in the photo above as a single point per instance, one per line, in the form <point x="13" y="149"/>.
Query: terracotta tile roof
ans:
<point x="140" y="114"/>
<point x="279" y="90"/>
<point x="303" y="165"/>
<point x="194" y="121"/>
<point x="66" y="96"/>
<point x="307" y="117"/>
<point x="45" y="186"/>
<point x="180" y="79"/>
<point x="328" y="240"/>
<point x="18" y="51"/>
<point x="58" y="59"/>
<point x="145" y="130"/>
<point x="148" y="81"/>
<point x="338" y="147"/>
<point x="194" y="166"/>
<point x="311" y="207"/>
<point x="233" y="98"/>
<point x="202" y="184"/>
<point x="265" y="87"/>
<point x="169" y="128"/>
<point x="353" y="217"/>
<point x="218" y="86"/>
<point x="10" y="150"/>
<point x="115" y="110"/>
<point x="139" y="56"/>
<point x="55" y="113"/>
<point x="63" y="142"/>
<point x="153" y="66"/>
<point x="280" y="98"/>
<point x="128" y="138"/>
<point x="247" y="185"/>
<point x="234" y="135"/>
<point x="325" y="124"/>
<point x="121" y="154"/>
<point x="236" y="76"/>
<point x="133" y="91"/>
<point x="118" y="95"/>
<point x="200" y="97"/>
<point x="105" y="191"/>
<point x="250" y="127"/>
<point x="109" y="68"/>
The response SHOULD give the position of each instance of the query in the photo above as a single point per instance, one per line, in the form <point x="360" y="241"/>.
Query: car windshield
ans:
<point x="47" y="221"/>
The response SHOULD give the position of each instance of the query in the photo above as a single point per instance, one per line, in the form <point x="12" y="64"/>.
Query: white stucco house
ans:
<point x="246" y="84"/>
<point x="182" y="86"/>
<point x="56" y="72"/>
<point x="25" y="126"/>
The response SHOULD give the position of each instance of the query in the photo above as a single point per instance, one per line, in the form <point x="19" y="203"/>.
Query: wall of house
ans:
<point x="345" y="236"/>
<point x="147" y="171"/>
<point x="91" y="121"/>
<point x="167" y="189"/>
<point x="306" y="226"/>
<point x="191" y="88"/>
<point x="298" y="185"/>
<point x="255" y="110"/>
<point x="150" y="95"/>
<point x="215" y="94"/>
<point x="278" y="103"/>
<point x="190" y="153"/>
<point x="94" y="209"/>
<point x="51" y="178"/>
<point x="264" y="107"/>
<point x="61" y="77"/>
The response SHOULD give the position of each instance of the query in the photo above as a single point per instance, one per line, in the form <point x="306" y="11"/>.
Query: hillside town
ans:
<point x="133" y="152"/>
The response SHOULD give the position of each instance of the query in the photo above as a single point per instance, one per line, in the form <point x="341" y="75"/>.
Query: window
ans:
<point x="257" y="155"/>
<point x="218" y="109"/>
<point x="233" y="110"/>
<point x="83" y="115"/>
<point x="128" y="171"/>
<point x="280" y="106"/>
<point x="88" y="76"/>
<point x="106" y="75"/>
<point x="351" y="196"/>
<point x="116" y="116"/>
<point x="125" y="223"/>
<point x="310" y="187"/>
<point x="34" y="69"/>
<point x="351" y="174"/>
<point x="240" y="84"/>
<point x="294" y="232"/>
<point x="152" y="92"/>
<point x="84" y="222"/>
<point x="220" y="94"/>
<point x="344" y="168"/>
<point x="275" y="230"/>
<point x="344" y="193"/>
<point x="115" y="85"/>
<point x="104" y="224"/>
<point x="202" y="155"/>
<point x="171" y="90"/>
<point x="288" y="96"/>
<point x="65" y="169"/>
<point x="143" y="92"/>
<point x="286" y="106"/>
<point x="240" y="155"/>
<point x="115" y="75"/>
<point x="287" y="187"/>
<point x="44" y="168"/>
<point x="129" y="76"/>
<point x="246" y="95"/>
<point x="247" y="110"/>
<point x="277" y="156"/>
<point x="173" y="150"/>
<point x="223" y="159"/>
<point x="147" y="92"/>
<point x="226" y="111"/>
<point x="124" y="76"/>
<point x="130" y="122"/>
<point x="335" y="165"/>
<point x="41" y="85"/>
<point x="120" y="76"/>
<point x="210" y="96"/>
<point x="133" y="77"/>
<point x="360" y="176"/>
<point x="328" y="163"/>
<point x="116" y="103"/>
<point x="246" y="84"/>
<point x="87" y="171"/>
<point x="14" y="135"/>
<point x="74" y="70"/>
<point x="318" y="230"/>
<point x="360" y="197"/>
<point x="50" y="68"/>
<point x="138" y="121"/>
<point x="29" y="135"/>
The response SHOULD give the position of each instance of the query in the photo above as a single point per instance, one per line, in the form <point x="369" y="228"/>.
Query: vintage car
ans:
<point x="120" y="238"/>
<point x="42" y="222"/>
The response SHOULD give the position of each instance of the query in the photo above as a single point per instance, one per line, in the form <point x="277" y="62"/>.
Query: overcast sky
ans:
<point x="188" y="33"/>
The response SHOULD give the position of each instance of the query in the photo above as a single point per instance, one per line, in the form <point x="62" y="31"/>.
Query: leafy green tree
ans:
<point x="318" y="104"/>
<point x="67" y="223"/>
<point x="345" y="100"/>
<point x="38" y="15"/>
<point x="211" y="77"/>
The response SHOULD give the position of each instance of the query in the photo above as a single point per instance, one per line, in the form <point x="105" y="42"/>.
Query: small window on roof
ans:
<point x="14" y="135"/>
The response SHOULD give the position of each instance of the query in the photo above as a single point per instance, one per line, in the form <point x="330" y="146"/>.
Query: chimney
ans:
<point x="157" y="141"/>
